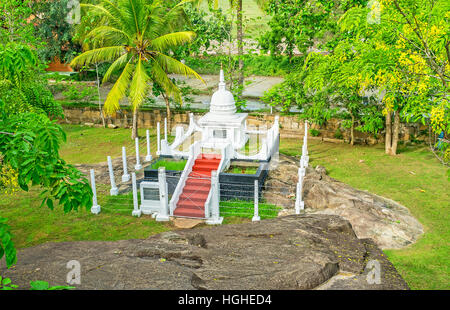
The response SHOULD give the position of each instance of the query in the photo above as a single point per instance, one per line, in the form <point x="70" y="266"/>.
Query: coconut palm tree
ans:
<point x="136" y="37"/>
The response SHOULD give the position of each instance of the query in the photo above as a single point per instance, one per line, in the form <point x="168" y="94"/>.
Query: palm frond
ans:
<point x="160" y="77"/>
<point x="171" y="65"/>
<point x="118" y="91"/>
<point x="139" y="85"/>
<point x="116" y="65"/>
<point x="173" y="39"/>
<point x="109" y="35"/>
<point x="98" y="55"/>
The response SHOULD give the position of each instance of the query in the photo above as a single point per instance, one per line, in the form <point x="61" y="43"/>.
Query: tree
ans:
<point x="29" y="144"/>
<point x="135" y="37"/>
<point x="51" y="25"/>
<point x="303" y="24"/>
<point x="406" y="54"/>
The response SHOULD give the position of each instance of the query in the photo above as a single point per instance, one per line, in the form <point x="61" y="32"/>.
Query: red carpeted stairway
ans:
<point x="198" y="184"/>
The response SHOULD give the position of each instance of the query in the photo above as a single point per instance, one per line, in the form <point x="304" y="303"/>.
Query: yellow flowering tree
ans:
<point x="405" y="53"/>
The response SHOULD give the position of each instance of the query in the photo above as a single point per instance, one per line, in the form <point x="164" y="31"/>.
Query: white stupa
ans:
<point x="222" y="125"/>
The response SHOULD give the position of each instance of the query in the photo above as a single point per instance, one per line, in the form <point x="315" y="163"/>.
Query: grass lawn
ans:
<point x="414" y="178"/>
<point x="170" y="165"/>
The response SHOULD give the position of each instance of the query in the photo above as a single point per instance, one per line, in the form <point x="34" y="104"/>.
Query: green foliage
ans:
<point x="80" y="93"/>
<point x="242" y="208"/>
<point x="303" y="23"/>
<point x="6" y="246"/>
<point x="52" y="27"/>
<point x="211" y="26"/>
<point x="14" y="26"/>
<point x="314" y="132"/>
<point x="16" y="60"/>
<point x="44" y="286"/>
<point x="338" y="134"/>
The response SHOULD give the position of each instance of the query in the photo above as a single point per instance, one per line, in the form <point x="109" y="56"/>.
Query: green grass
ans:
<point x="170" y="165"/>
<point x="245" y="209"/>
<point x="415" y="179"/>
<point x="88" y="145"/>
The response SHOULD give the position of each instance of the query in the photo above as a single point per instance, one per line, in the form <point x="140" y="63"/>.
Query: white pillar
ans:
<point x="125" y="175"/>
<point x="163" y="214"/>
<point x="138" y="165"/>
<point x="114" y="190"/>
<point x="149" y="155"/>
<point x="165" y="128"/>
<point x="158" y="137"/>
<point x="215" y="218"/>
<point x="136" y="211"/>
<point x="95" y="207"/>
<point x="299" y="203"/>
<point x="256" y="217"/>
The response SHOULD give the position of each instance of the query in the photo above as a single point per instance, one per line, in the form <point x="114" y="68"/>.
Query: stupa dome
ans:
<point x="222" y="101"/>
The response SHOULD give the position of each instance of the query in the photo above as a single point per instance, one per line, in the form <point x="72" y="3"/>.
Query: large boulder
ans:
<point x="388" y="223"/>
<point x="291" y="252"/>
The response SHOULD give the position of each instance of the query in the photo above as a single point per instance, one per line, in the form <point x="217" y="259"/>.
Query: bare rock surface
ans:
<point x="309" y="251"/>
<point x="388" y="223"/>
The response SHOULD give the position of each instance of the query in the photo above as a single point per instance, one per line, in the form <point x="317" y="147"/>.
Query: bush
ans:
<point x="314" y="132"/>
<point x="338" y="134"/>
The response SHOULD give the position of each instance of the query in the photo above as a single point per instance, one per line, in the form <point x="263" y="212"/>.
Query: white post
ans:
<point x="125" y="175"/>
<point x="165" y="128"/>
<point x="114" y="190"/>
<point x="215" y="218"/>
<point x="256" y="217"/>
<point x="158" y="139"/>
<point x="149" y="155"/>
<point x="138" y="165"/>
<point x="95" y="207"/>
<point x="136" y="211"/>
<point x="299" y="203"/>
<point x="163" y="214"/>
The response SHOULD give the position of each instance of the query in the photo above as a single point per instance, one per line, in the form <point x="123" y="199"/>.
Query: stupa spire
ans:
<point x="222" y="84"/>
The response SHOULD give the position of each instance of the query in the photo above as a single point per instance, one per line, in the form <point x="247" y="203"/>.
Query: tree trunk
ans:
<point x="168" y="112"/>
<point x="392" y="132"/>
<point x="352" y="131"/>
<point x="396" y="132"/>
<point x="388" y="137"/>
<point x="240" y="37"/>
<point x="134" y="132"/>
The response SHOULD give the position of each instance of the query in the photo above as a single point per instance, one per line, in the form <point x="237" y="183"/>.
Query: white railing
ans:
<point x="194" y="152"/>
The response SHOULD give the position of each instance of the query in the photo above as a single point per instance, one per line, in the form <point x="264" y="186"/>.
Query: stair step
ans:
<point x="205" y="175"/>
<point x="194" y="196"/>
<point x="191" y="204"/>
<point x="198" y="182"/>
<point x="189" y="212"/>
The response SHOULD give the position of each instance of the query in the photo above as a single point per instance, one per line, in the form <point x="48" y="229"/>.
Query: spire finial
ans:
<point x="222" y="79"/>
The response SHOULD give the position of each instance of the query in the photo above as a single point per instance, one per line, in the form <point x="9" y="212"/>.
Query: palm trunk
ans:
<point x="240" y="47"/>
<point x="134" y="131"/>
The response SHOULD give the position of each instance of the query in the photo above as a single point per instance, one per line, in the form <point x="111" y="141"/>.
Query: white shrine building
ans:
<point x="224" y="131"/>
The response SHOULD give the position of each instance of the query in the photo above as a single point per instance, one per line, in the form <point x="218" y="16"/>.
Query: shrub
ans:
<point x="314" y="132"/>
